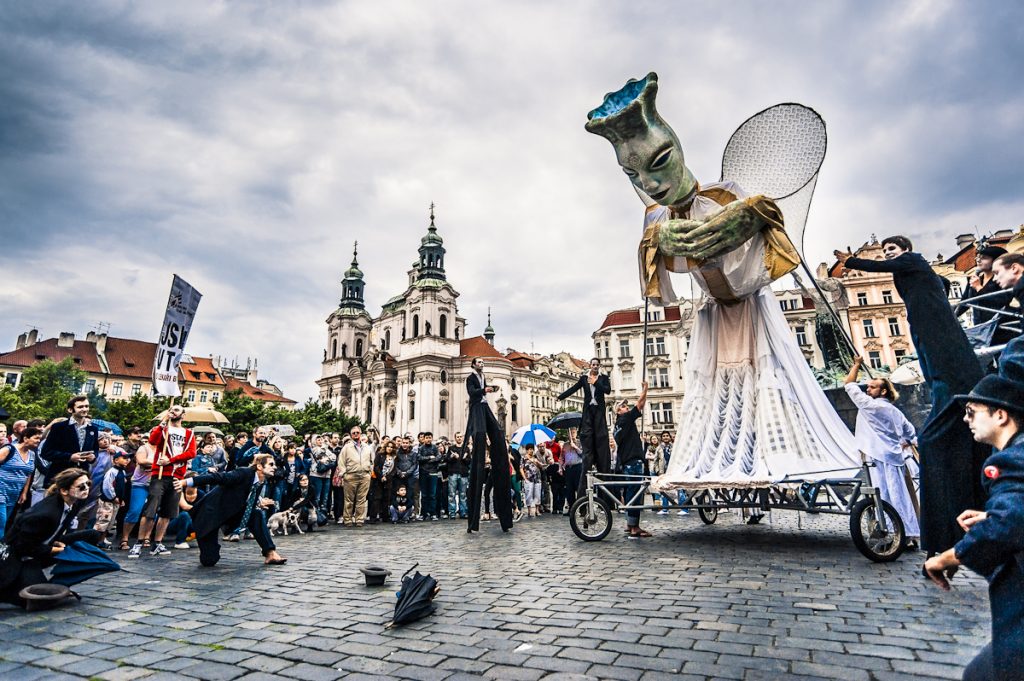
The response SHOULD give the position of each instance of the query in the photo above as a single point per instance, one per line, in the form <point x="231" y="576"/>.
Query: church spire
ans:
<point x="352" y="284"/>
<point x="431" y="262"/>
<point x="489" y="330"/>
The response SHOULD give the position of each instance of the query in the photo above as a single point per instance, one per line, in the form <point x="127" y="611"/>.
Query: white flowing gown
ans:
<point x="753" y="414"/>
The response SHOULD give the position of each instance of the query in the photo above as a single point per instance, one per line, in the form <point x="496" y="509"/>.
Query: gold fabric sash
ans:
<point x="780" y="256"/>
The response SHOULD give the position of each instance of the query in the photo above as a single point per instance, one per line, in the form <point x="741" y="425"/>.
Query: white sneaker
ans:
<point x="159" y="550"/>
<point x="136" y="551"/>
<point x="663" y="511"/>
<point x="182" y="545"/>
<point x="684" y="512"/>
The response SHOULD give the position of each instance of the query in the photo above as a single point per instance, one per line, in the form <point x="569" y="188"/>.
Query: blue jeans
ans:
<point x="5" y="512"/>
<point x="180" y="527"/>
<point x="138" y="502"/>
<point x="428" y="494"/>
<point x="634" y="467"/>
<point x="457" y="486"/>
<point x="321" y="492"/>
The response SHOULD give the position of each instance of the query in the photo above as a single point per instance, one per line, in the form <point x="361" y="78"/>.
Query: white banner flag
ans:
<point x="181" y="309"/>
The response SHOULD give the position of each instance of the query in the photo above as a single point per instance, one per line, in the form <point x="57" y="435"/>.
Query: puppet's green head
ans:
<point x="645" y="146"/>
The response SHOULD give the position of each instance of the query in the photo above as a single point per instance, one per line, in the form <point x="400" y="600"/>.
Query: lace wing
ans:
<point x="778" y="152"/>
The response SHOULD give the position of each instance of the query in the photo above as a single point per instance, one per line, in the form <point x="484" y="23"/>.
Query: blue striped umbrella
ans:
<point x="533" y="434"/>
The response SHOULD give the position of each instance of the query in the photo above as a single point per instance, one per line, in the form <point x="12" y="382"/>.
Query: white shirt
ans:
<point x="63" y="516"/>
<point x="882" y="429"/>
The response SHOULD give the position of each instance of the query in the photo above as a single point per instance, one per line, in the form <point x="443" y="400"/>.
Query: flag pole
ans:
<point x="643" y="368"/>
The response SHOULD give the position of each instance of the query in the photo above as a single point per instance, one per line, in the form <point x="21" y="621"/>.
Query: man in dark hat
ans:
<point x="982" y="283"/>
<point x="994" y="544"/>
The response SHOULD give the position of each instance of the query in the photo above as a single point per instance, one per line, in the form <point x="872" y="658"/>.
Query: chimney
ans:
<point x="66" y="340"/>
<point x="22" y="341"/>
<point x="101" y="343"/>
<point x="250" y="377"/>
<point x="33" y="337"/>
<point x="90" y="337"/>
<point x="963" y="240"/>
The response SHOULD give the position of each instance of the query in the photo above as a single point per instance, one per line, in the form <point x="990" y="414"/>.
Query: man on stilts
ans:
<point x="486" y="434"/>
<point x="594" y="426"/>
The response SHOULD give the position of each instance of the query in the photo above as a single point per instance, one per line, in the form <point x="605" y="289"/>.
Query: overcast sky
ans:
<point x="245" y="146"/>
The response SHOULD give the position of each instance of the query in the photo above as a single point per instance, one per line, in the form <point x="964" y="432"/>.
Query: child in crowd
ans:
<point x="115" y="492"/>
<point x="181" y="525"/>
<point x="400" y="508"/>
<point x="531" y="482"/>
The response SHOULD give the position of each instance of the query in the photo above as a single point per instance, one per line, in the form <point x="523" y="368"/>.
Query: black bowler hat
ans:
<point x="45" y="596"/>
<point x="997" y="391"/>
<point x="991" y="251"/>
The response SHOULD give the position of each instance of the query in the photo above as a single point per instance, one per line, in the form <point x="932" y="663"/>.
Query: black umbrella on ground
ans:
<point x="79" y="562"/>
<point x="570" y="419"/>
<point x="415" y="600"/>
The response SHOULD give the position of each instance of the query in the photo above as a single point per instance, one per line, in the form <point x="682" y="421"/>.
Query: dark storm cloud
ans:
<point x="245" y="146"/>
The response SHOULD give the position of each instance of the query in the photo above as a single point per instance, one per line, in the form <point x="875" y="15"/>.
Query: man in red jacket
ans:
<point x="174" y="446"/>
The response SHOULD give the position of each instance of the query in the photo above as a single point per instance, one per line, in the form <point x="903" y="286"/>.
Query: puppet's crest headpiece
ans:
<point x="628" y="112"/>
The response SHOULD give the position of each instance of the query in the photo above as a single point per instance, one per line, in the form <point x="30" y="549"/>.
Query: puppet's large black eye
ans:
<point x="662" y="159"/>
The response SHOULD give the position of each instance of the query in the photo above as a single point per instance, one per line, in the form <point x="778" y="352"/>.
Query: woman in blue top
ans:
<point x="17" y="461"/>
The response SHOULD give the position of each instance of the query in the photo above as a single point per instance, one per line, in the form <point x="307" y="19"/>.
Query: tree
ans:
<point x="138" y="410"/>
<point x="321" y="417"/>
<point x="44" y="390"/>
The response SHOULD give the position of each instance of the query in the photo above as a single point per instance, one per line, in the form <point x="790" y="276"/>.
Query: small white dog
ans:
<point x="281" y="521"/>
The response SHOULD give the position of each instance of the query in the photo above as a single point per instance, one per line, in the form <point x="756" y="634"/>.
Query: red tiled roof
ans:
<point x="672" y="314"/>
<point x="82" y="352"/>
<point x="127" y="357"/>
<point x="255" y="393"/>
<point x="621" y="318"/>
<point x="580" y="363"/>
<point x="520" y="359"/>
<point x="200" y="370"/>
<point x="477" y="346"/>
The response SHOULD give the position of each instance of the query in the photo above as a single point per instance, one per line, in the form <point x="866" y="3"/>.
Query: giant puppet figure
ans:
<point x="753" y="414"/>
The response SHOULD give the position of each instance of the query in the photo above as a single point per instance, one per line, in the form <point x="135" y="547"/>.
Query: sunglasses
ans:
<point x="84" y="485"/>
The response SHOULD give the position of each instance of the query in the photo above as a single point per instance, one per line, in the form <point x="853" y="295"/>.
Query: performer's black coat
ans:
<point x="224" y="505"/>
<point x="27" y="547"/>
<point x="994" y="548"/>
<point x="481" y="427"/>
<point x="601" y="388"/>
<point x="950" y="458"/>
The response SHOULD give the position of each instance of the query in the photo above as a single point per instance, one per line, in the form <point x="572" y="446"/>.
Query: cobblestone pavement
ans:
<point x="729" y="601"/>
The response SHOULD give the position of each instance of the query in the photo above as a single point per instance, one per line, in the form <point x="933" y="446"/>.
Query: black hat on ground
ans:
<point x="44" y="596"/>
<point x="997" y="391"/>
<point x="991" y="251"/>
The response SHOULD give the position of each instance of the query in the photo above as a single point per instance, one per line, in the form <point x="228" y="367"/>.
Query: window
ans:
<point x="900" y="356"/>
<point x="801" y="335"/>
<point x="654" y="316"/>
<point x="627" y="379"/>
<point x="412" y="376"/>
<point x="215" y="398"/>
<point x="203" y="396"/>
<point x="387" y="339"/>
<point x="334" y="348"/>
<point x="623" y="348"/>
<point x="658" y="378"/>
<point x="887" y="297"/>
<point x="136" y="389"/>
<point x="191" y="394"/>
<point x="656" y="346"/>
<point x="955" y="291"/>
<point x="894" y="327"/>
<point x="869" y="328"/>
<point x="412" y="409"/>
<point x="606" y="351"/>
<point x="444" y="377"/>
<point x="789" y="304"/>
<point x="875" y="359"/>
<point x="442" y="328"/>
<point x="89" y="386"/>
<point x="359" y="347"/>
<point x="415" y="325"/>
<point x="661" y="412"/>
<point x="862" y="299"/>
<point x="513" y="383"/>
<point x="515" y="412"/>
<point x="12" y="380"/>
<point x="116" y="390"/>
<point x="444" y="410"/>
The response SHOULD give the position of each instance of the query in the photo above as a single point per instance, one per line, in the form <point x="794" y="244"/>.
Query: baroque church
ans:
<point x="405" y="370"/>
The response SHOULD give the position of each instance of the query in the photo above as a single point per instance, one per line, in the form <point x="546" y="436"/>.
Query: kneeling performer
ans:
<point x="237" y="501"/>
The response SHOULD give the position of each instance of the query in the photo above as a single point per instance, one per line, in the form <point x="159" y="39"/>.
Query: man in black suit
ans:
<point x="70" y="444"/>
<point x="238" y="499"/>
<point x="594" y="427"/>
<point x="486" y="434"/>
<point x="982" y="283"/>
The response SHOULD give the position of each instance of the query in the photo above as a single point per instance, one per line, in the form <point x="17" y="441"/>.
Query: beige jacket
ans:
<point x="356" y="461"/>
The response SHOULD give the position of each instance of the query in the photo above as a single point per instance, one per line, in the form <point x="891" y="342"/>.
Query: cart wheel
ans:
<point x="881" y="545"/>
<point x="591" y="521"/>
<point x="707" y="515"/>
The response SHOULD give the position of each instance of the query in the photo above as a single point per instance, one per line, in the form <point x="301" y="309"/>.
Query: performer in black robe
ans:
<point x="951" y="460"/>
<point x="594" y="427"/>
<point x="487" y="435"/>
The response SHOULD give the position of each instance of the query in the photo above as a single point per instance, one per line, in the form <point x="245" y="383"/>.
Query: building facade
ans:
<point x="405" y="370"/>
